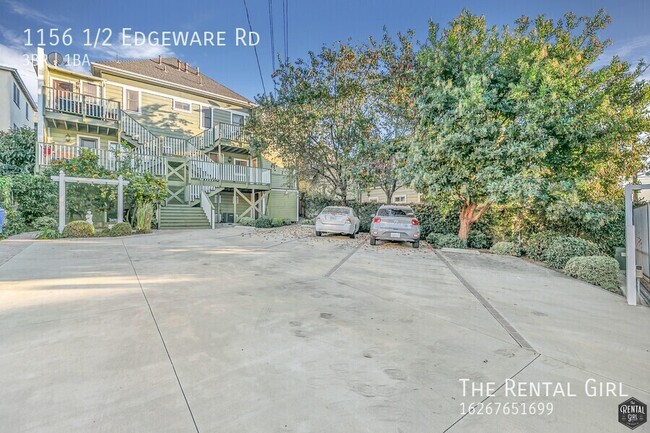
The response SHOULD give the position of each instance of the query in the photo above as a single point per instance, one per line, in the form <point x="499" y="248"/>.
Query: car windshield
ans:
<point x="395" y="212"/>
<point x="336" y="210"/>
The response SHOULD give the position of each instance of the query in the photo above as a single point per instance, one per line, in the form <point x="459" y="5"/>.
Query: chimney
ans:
<point x="197" y="71"/>
<point x="159" y="59"/>
<point x="178" y="62"/>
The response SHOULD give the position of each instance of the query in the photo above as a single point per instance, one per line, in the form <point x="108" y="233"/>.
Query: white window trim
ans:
<point x="132" y="89"/>
<point x="373" y="199"/>
<point x="100" y="88"/>
<point x="240" y="159"/>
<point x="201" y="108"/>
<point x="186" y="101"/>
<point x="16" y="92"/>
<point x="80" y="136"/>
<point x="395" y="197"/>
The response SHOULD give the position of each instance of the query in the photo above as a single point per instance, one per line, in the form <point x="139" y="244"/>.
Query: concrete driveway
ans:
<point x="245" y="330"/>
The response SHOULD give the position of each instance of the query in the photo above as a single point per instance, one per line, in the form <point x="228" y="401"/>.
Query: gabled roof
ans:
<point x="174" y="72"/>
<point x="21" y="84"/>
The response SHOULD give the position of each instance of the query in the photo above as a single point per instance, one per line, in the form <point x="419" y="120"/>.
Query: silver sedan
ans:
<point x="337" y="219"/>
<point x="395" y="223"/>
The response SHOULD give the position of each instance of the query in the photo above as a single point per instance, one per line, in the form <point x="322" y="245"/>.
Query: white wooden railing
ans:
<point x="64" y="101"/>
<point x="208" y="170"/>
<point x="208" y="208"/>
<point x="111" y="159"/>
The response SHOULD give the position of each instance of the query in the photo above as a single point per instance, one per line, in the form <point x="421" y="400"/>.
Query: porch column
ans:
<point x="630" y="248"/>
<point x="120" y="199"/>
<point x="234" y="203"/>
<point x="61" y="201"/>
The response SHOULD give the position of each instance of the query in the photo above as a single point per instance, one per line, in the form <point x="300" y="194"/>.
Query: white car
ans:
<point x="337" y="219"/>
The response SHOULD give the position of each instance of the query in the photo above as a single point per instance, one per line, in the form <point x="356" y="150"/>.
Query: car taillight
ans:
<point x="376" y="220"/>
<point x="348" y="220"/>
<point x="415" y="222"/>
<point x="318" y="218"/>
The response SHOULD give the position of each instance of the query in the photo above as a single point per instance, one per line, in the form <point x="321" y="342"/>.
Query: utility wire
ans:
<point x="285" y="23"/>
<point x="257" y="58"/>
<point x="272" y="34"/>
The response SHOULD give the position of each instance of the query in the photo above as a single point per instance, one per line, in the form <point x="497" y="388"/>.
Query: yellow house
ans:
<point x="176" y="123"/>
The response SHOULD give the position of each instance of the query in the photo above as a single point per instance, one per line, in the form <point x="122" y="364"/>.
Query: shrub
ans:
<point x="506" y="249"/>
<point x="599" y="270"/>
<point x="49" y="234"/>
<point x="143" y="217"/>
<point x="444" y="240"/>
<point x="564" y="248"/>
<point x="478" y="240"/>
<point x="263" y="223"/>
<point x="365" y="211"/>
<point x="537" y="244"/>
<point x="35" y="195"/>
<point x="45" y="223"/>
<point x="120" y="229"/>
<point x="307" y="222"/>
<point x="277" y="222"/>
<point x="78" y="229"/>
<point x="246" y="221"/>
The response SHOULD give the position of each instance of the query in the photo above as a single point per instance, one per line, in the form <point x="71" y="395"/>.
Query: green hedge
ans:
<point x="246" y="221"/>
<point x="506" y="249"/>
<point x="536" y="245"/>
<point x="120" y="229"/>
<point x="599" y="270"/>
<point x="445" y="240"/>
<point x="564" y="248"/>
<point x="263" y="223"/>
<point x="45" y="223"/>
<point x="78" y="229"/>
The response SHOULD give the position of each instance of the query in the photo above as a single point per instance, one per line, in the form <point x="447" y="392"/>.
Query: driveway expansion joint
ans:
<point x="519" y="339"/>
<point x="162" y="339"/>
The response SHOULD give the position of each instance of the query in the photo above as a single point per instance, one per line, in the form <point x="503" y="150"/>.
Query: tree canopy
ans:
<point x="510" y="115"/>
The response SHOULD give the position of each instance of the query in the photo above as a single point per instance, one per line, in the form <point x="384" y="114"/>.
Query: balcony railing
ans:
<point x="110" y="159"/>
<point x="208" y="170"/>
<point x="232" y="132"/>
<point x="64" y="101"/>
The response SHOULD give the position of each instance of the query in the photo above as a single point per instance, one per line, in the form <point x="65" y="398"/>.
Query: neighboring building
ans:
<point x="17" y="107"/>
<point x="179" y="124"/>
<point x="402" y="195"/>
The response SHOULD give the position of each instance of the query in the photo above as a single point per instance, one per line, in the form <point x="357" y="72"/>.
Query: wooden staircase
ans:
<point x="182" y="216"/>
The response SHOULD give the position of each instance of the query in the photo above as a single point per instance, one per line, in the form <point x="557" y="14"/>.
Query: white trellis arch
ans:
<point x="62" y="179"/>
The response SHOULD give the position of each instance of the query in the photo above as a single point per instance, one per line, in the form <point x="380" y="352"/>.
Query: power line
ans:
<point x="285" y="22"/>
<point x="272" y="35"/>
<point x="257" y="58"/>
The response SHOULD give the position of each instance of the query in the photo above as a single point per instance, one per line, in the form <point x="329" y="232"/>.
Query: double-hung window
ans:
<point x="16" y="95"/>
<point x="132" y="100"/>
<point x="206" y="117"/>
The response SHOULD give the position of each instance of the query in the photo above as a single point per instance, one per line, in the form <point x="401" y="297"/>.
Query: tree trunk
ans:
<point x="389" y="196"/>
<point x="469" y="214"/>
<point x="466" y="219"/>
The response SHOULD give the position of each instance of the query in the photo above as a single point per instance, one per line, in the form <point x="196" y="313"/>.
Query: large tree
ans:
<point x="315" y="121"/>
<point x="17" y="150"/>
<point x="338" y="116"/>
<point x="505" y="115"/>
<point x="389" y="109"/>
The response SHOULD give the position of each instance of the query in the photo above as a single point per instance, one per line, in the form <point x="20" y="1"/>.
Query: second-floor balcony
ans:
<point x="79" y="104"/>
<point x="139" y="161"/>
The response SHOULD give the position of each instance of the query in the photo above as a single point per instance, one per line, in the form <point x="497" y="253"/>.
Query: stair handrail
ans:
<point x="208" y="208"/>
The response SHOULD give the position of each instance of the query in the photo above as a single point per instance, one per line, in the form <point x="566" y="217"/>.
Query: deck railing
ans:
<point x="208" y="170"/>
<point x="64" y="101"/>
<point x="232" y="132"/>
<point x="110" y="159"/>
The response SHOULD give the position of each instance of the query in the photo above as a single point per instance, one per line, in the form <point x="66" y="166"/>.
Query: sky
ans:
<point x="310" y="24"/>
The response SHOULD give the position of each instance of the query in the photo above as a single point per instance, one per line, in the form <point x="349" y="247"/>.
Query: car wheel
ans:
<point x="353" y="235"/>
<point x="416" y="244"/>
<point x="318" y="233"/>
<point x="373" y="240"/>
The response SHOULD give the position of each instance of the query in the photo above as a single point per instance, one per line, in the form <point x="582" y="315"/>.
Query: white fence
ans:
<point x="642" y="237"/>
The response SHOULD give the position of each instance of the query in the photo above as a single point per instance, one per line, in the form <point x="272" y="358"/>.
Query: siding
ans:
<point x="378" y="195"/>
<point x="57" y="136"/>
<point x="281" y="205"/>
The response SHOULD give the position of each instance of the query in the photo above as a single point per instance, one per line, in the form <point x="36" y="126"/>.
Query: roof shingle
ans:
<point x="175" y="71"/>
